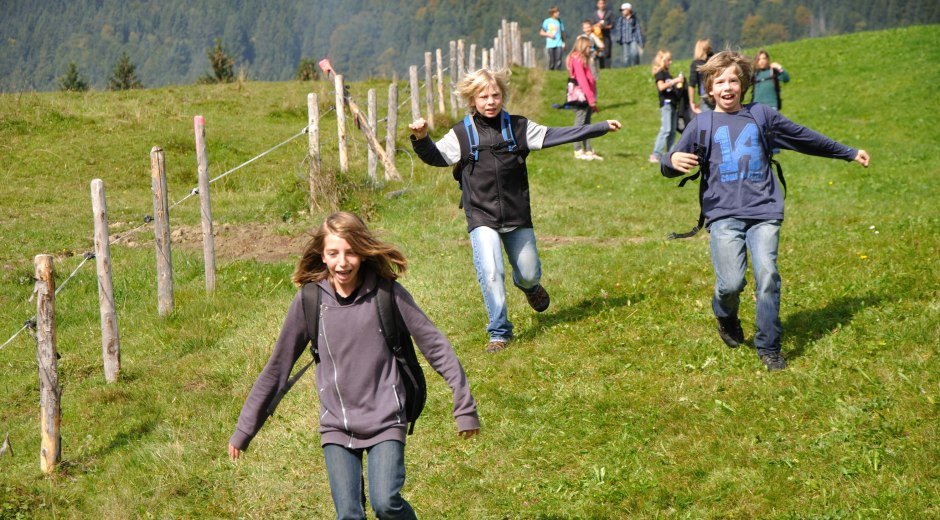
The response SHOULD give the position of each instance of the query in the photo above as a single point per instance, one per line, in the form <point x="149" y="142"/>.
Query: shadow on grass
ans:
<point x="578" y="312"/>
<point x="807" y="327"/>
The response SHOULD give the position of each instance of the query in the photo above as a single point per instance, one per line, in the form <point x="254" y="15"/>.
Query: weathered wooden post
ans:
<point x="341" y="121"/>
<point x="208" y="237"/>
<point x="453" y="79"/>
<point x="440" y="82"/>
<point x="415" y="92"/>
<point x="50" y="446"/>
<point x="505" y="43"/>
<point x="429" y="90"/>
<point x="496" y="56"/>
<point x="473" y="58"/>
<point x="110" y="339"/>
<point x="461" y="71"/>
<point x="485" y="59"/>
<point x="370" y="115"/>
<point x="391" y="124"/>
<point x="161" y="232"/>
<point x="516" y="40"/>
<point x="390" y="171"/>
<point x="322" y="184"/>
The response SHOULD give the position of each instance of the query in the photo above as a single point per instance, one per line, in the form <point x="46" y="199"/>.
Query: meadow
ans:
<point x="620" y="401"/>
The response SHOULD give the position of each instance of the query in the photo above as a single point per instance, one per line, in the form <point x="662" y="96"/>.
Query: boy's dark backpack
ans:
<point x="702" y="149"/>
<point x="469" y="140"/>
<point x="397" y="339"/>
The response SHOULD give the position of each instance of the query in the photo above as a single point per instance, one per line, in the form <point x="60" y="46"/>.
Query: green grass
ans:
<point x="620" y="401"/>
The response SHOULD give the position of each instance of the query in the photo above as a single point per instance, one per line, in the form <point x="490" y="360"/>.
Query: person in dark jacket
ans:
<point x="362" y="398"/>
<point x="742" y="201"/>
<point x="495" y="189"/>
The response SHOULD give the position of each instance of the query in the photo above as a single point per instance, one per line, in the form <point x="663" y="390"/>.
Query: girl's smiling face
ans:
<point x="726" y="90"/>
<point x="489" y="101"/>
<point x="342" y="263"/>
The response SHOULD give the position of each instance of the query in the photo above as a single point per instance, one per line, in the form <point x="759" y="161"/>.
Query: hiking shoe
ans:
<point x="774" y="362"/>
<point x="729" y="329"/>
<point x="495" y="345"/>
<point x="538" y="298"/>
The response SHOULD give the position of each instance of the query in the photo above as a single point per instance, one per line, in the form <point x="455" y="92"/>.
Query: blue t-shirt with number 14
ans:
<point x="741" y="181"/>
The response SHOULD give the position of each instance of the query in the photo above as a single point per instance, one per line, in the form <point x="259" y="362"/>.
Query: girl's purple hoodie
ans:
<point x="361" y="395"/>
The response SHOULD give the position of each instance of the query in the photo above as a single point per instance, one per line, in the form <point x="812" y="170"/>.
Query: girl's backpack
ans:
<point x="397" y="339"/>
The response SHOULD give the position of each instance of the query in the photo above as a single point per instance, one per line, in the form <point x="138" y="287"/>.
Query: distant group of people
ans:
<point x="603" y="27"/>
<point x="361" y="392"/>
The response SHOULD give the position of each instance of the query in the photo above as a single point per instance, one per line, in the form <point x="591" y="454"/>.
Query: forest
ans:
<point x="168" y="41"/>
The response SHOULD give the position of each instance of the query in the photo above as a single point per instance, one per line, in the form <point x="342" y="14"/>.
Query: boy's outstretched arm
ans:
<point x="443" y="153"/>
<point x="558" y="135"/>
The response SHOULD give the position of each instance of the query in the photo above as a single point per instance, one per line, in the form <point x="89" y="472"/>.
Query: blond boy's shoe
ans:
<point x="595" y="157"/>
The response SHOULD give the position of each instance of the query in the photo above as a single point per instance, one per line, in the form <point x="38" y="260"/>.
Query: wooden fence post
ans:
<point x="461" y="71"/>
<point x="485" y="59"/>
<point x="472" y="62"/>
<point x="391" y="124"/>
<point x="110" y="339"/>
<point x="415" y="92"/>
<point x="428" y="90"/>
<point x="322" y="184"/>
<point x="161" y="232"/>
<point x="505" y="43"/>
<point x="208" y="237"/>
<point x="453" y="79"/>
<point x="341" y="121"/>
<point x="50" y="446"/>
<point x="516" y="40"/>
<point x="440" y="82"/>
<point x="370" y="116"/>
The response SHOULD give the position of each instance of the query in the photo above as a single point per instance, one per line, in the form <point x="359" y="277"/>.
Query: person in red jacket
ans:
<point x="579" y="69"/>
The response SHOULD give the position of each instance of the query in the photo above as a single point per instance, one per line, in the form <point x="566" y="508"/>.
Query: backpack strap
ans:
<point x="767" y="137"/>
<point x="393" y="329"/>
<point x="310" y="302"/>
<point x="472" y="137"/>
<point x="506" y="129"/>
<point x="702" y="149"/>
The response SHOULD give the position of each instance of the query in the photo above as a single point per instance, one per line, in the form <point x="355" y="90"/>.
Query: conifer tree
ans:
<point x="222" y="65"/>
<point x="124" y="76"/>
<point x="72" y="81"/>
<point x="307" y="70"/>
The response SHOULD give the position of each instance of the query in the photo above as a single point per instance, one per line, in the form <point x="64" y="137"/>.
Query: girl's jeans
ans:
<point x="488" y="261"/>
<point x="582" y="116"/>
<point x="386" y="468"/>
<point x="730" y="241"/>
<point x="669" y="117"/>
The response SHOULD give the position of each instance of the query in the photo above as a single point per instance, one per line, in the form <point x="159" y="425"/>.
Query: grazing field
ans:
<point x="620" y="401"/>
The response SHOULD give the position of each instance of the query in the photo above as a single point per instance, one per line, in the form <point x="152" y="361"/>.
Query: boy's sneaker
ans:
<point x="729" y="329"/>
<point x="495" y="345"/>
<point x="538" y="298"/>
<point x="774" y="361"/>
<point x="595" y="157"/>
<point x="581" y="154"/>
<point x="653" y="158"/>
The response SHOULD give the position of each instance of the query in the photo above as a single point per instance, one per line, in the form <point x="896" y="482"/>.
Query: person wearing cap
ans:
<point x="627" y="31"/>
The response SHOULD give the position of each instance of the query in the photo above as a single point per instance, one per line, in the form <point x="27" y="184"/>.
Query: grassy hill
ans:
<point x="620" y="401"/>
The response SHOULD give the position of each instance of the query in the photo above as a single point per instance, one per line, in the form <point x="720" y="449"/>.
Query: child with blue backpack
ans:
<point x="348" y="277"/>
<point x="741" y="200"/>
<point x="488" y="150"/>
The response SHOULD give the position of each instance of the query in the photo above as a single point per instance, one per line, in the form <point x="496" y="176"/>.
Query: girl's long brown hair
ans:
<point x="383" y="258"/>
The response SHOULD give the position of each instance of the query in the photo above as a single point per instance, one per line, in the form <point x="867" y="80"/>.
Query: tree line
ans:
<point x="47" y="43"/>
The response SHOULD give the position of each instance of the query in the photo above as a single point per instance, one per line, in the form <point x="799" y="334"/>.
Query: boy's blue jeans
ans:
<point x="631" y="54"/>
<point x="730" y="241"/>
<point x="386" y="468"/>
<point x="487" y="244"/>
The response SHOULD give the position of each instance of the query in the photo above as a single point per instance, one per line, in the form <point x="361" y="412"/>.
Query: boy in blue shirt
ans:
<point x="742" y="200"/>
